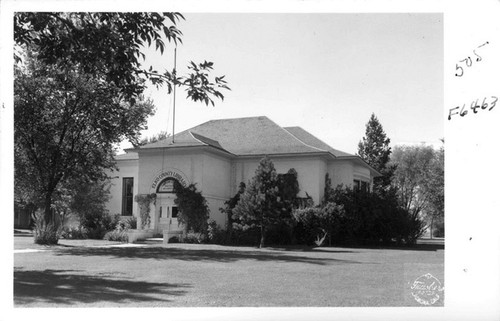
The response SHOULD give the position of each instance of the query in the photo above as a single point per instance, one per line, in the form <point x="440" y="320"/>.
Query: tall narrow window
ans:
<point x="127" y="196"/>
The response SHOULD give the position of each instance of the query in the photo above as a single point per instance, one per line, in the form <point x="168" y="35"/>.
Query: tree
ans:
<point x="374" y="149"/>
<point x="78" y="90"/>
<point x="65" y="126"/>
<point x="109" y="44"/>
<point x="257" y="206"/>
<point x="434" y="211"/>
<point x="193" y="208"/>
<point x="229" y="206"/>
<point x="153" y="139"/>
<point x="419" y="178"/>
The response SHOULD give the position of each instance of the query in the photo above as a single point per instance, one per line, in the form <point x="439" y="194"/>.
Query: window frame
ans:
<point x="127" y="199"/>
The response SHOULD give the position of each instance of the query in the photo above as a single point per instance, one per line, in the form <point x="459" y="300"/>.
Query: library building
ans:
<point x="217" y="156"/>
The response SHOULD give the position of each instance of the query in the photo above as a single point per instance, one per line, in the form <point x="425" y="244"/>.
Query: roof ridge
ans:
<point x="283" y="128"/>
<point x="316" y="137"/>
<point x="199" y="140"/>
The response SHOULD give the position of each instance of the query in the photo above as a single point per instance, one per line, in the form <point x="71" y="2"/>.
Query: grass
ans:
<point x="78" y="274"/>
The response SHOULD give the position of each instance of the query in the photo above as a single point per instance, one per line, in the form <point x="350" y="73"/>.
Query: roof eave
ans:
<point x="202" y="146"/>
<point x="373" y="171"/>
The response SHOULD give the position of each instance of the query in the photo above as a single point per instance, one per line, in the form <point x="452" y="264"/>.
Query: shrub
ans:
<point x="193" y="207"/>
<point x="97" y="224"/>
<point x="173" y="239"/>
<point x="46" y="233"/>
<point x="193" y="237"/>
<point x="145" y="201"/>
<point x="215" y="234"/>
<point x="373" y="218"/>
<point x="75" y="233"/>
<point x="126" y="223"/>
<point x="279" y="234"/>
<point x="316" y="223"/>
<point x="118" y="235"/>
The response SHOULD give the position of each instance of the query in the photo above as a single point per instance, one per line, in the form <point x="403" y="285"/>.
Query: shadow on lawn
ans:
<point x="67" y="287"/>
<point x="186" y="254"/>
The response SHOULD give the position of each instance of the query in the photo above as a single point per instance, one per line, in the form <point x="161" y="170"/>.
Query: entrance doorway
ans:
<point x="167" y="213"/>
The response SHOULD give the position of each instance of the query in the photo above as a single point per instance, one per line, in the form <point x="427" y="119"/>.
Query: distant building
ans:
<point x="217" y="156"/>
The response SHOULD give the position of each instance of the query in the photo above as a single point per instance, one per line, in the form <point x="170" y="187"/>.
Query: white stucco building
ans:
<point x="217" y="156"/>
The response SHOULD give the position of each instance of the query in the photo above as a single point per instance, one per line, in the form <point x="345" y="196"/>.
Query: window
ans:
<point x="127" y="196"/>
<point x="175" y="210"/>
<point x="359" y="185"/>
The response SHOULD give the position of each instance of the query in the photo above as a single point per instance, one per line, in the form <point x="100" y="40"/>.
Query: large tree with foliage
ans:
<point x="65" y="126"/>
<point x="419" y="179"/>
<point x="435" y="208"/>
<point x="257" y="207"/>
<point x="110" y="44"/>
<point x="374" y="149"/>
<point x="78" y="87"/>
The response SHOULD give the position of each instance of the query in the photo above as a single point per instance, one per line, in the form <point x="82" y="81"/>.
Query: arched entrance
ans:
<point x="166" y="212"/>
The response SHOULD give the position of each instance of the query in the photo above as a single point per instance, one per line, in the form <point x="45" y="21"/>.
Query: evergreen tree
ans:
<point x="375" y="150"/>
<point x="258" y="204"/>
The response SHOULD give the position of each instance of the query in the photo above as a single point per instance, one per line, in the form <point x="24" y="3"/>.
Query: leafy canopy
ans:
<point x="110" y="44"/>
<point x="65" y="126"/>
<point x="419" y="178"/>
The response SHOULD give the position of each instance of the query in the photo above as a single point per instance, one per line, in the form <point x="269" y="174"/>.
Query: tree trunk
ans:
<point x="48" y="207"/>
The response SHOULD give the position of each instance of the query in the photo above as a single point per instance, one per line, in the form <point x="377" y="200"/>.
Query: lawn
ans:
<point x="94" y="274"/>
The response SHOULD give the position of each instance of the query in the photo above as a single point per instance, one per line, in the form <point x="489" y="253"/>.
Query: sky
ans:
<point x="324" y="72"/>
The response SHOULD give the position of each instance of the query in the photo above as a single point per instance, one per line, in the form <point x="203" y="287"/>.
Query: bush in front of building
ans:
<point x="215" y="234"/>
<point x="193" y="208"/>
<point x="320" y="222"/>
<point x="374" y="217"/>
<point x="74" y="233"/>
<point x="98" y="224"/>
<point x="195" y="238"/>
<point x="116" y="235"/>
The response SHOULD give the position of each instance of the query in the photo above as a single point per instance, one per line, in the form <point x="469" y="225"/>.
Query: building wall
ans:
<point x="154" y="163"/>
<point x="210" y="172"/>
<point x="341" y="172"/>
<point x="127" y="168"/>
<point x="218" y="176"/>
<point x="216" y="184"/>
<point x="346" y="171"/>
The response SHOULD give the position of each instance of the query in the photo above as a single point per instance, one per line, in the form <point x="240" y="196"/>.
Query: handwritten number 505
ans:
<point x="459" y="70"/>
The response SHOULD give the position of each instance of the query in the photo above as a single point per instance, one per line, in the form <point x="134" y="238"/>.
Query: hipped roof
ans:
<point x="250" y="136"/>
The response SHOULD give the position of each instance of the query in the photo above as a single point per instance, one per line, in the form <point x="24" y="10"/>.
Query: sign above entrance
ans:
<point x="165" y="182"/>
<point x="167" y="185"/>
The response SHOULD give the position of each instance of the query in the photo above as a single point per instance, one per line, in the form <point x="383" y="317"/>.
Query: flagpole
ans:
<point x="174" y="82"/>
